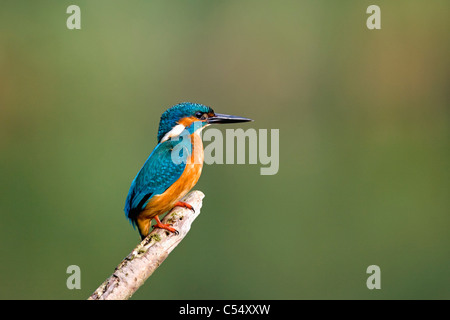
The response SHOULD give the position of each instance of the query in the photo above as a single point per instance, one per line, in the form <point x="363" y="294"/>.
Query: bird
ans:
<point x="173" y="167"/>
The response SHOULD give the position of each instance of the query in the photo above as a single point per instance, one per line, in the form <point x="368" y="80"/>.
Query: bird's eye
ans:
<point x="199" y="114"/>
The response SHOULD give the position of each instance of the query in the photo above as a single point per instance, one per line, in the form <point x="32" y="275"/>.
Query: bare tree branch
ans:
<point x="132" y="272"/>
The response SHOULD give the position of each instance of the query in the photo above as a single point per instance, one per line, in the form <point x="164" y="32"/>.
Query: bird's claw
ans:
<point x="184" y="205"/>
<point x="167" y="227"/>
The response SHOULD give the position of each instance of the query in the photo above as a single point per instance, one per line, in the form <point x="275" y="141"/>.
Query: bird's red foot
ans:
<point x="184" y="205"/>
<point x="164" y="226"/>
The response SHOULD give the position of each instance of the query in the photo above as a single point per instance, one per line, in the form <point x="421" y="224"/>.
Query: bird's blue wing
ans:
<point x="163" y="167"/>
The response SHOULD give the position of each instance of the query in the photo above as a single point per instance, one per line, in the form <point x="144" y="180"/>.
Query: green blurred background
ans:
<point x="364" y="145"/>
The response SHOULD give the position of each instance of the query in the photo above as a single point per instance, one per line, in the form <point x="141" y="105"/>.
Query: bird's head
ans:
<point x="190" y="116"/>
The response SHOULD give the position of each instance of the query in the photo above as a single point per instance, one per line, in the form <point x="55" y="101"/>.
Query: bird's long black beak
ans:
<point x="225" y="118"/>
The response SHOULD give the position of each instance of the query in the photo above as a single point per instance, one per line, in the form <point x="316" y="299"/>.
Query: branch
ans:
<point x="132" y="272"/>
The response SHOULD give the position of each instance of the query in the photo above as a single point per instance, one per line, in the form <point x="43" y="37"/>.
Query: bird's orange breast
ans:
<point x="164" y="202"/>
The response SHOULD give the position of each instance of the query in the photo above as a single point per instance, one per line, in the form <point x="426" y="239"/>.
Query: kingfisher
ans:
<point x="174" y="166"/>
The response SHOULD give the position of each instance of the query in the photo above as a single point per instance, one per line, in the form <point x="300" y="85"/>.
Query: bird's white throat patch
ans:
<point x="176" y="131"/>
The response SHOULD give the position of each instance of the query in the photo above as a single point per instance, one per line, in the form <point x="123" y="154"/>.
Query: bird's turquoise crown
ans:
<point x="171" y="116"/>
